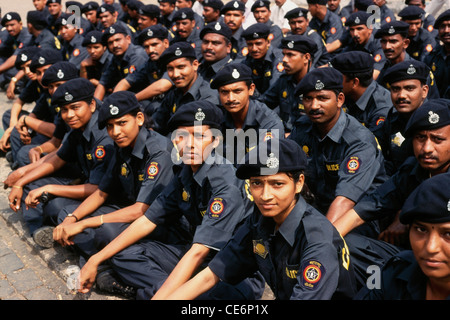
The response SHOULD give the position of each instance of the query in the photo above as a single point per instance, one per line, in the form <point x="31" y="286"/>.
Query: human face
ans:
<point x="185" y="27"/>
<point x="275" y="195"/>
<point x="67" y="32"/>
<point x="125" y="130"/>
<point x="118" y="44"/>
<point x="166" y="8"/>
<point x="294" y="61"/>
<point x="262" y="15"/>
<point x="215" y="47"/>
<point x="194" y="144"/>
<point x="107" y="19"/>
<point x="95" y="50"/>
<point x="235" y="97"/>
<point x="26" y="68"/>
<point x="360" y="34"/>
<point x="182" y="72"/>
<point x="77" y="114"/>
<point x="333" y="4"/>
<point x="13" y="27"/>
<point x="209" y="14"/>
<point x="313" y="8"/>
<point x="393" y="46"/>
<point x="417" y="3"/>
<point x="430" y="243"/>
<point x="53" y="86"/>
<point x="323" y="107"/>
<point x="298" y="25"/>
<point x="54" y="9"/>
<point x="40" y="73"/>
<point x="155" y="47"/>
<point x="258" y="48"/>
<point x="444" y="32"/>
<point x="280" y="2"/>
<point x="432" y="149"/>
<point x="408" y="95"/>
<point x="233" y="19"/>
<point x="91" y="16"/>
<point x="414" y="26"/>
<point x="182" y="4"/>
<point x="144" y="22"/>
<point x="39" y="4"/>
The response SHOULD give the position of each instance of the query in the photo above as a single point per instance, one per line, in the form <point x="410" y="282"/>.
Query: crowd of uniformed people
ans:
<point x="206" y="149"/>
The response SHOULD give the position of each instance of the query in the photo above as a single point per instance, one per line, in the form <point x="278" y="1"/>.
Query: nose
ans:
<point x="266" y="193"/>
<point x="427" y="146"/>
<point x="433" y="242"/>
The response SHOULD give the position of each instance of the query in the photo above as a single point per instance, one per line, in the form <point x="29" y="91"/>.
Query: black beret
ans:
<point x="297" y="12"/>
<point x="53" y="1"/>
<point x="155" y="31"/>
<point x="167" y="1"/>
<point x="78" y="89"/>
<point x="260" y="4"/>
<point x="112" y="30"/>
<point x="300" y="43"/>
<point x="408" y="69"/>
<point x="321" y="2"/>
<point x="106" y="8"/>
<point x="37" y="18"/>
<point x="218" y="27"/>
<point x="134" y="4"/>
<point x="271" y="157"/>
<point x="116" y="105"/>
<point x="233" y="72"/>
<point x="412" y="13"/>
<point x="233" y="5"/>
<point x="362" y="5"/>
<point x="183" y="13"/>
<point x="89" y="6"/>
<point x="196" y="113"/>
<point x="429" y="202"/>
<point x="320" y="79"/>
<point x="177" y="50"/>
<point x="433" y="114"/>
<point x="45" y="57"/>
<point x="92" y="37"/>
<point x="150" y="10"/>
<point x="357" y="18"/>
<point x="353" y="62"/>
<point x="60" y="71"/>
<point x="62" y="19"/>
<point x="215" y="4"/>
<point x="444" y="16"/>
<point x="256" y="31"/>
<point x="393" y="27"/>
<point x="26" y="54"/>
<point x="10" y="16"/>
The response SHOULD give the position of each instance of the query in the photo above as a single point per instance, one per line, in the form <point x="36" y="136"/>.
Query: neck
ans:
<point x="357" y="93"/>
<point x="321" y="13"/>
<point x="437" y="290"/>
<point x="239" y="117"/>
<point x="186" y="89"/>
<point x="326" y="127"/>
<point x="400" y="58"/>
<point x="301" y="74"/>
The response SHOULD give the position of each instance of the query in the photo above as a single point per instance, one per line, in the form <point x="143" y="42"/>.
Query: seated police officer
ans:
<point x="187" y="29"/>
<point x="345" y="161"/>
<point x="420" y="273"/>
<point x="429" y="129"/>
<point x="209" y="198"/>
<point x="233" y="16"/>
<point x="261" y="12"/>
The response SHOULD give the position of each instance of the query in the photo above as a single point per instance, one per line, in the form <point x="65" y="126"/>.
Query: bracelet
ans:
<point x="101" y="219"/>
<point x="24" y="123"/>
<point x="40" y="148"/>
<point x="17" y="187"/>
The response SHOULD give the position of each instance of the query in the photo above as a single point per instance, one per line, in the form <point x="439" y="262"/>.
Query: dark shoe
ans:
<point x="107" y="281"/>
<point x="9" y="157"/>
<point x="44" y="236"/>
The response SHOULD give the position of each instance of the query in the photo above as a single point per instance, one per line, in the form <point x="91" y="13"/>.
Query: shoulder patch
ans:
<point x="100" y="152"/>
<point x="152" y="170"/>
<point x="216" y="207"/>
<point x="353" y="165"/>
<point x="312" y="273"/>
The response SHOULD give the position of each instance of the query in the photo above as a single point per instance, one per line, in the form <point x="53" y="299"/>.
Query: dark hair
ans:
<point x="306" y="192"/>
<point x="365" y="78"/>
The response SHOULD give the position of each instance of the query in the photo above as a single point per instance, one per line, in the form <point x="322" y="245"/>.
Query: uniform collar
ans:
<point x="139" y="146"/>
<point x="364" y="99"/>
<point x="416" y="288"/>
<point x="187" y="175"/>
<point x="335" y="133"/>
<point x="289" y="226"/>
<point x="195" y="86"/>
<point x="92" y="124"/>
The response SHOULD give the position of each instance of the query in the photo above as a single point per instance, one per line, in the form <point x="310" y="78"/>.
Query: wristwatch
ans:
<point x="72" y="215"/>
<point x="14" y="79"/>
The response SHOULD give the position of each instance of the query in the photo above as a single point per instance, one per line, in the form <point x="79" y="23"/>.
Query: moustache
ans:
<point x="315" y="112"/>
<point x="398" y="101"/>
<point x="424" y="156"/>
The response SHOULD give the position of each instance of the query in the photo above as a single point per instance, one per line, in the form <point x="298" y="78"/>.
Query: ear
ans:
<point x="251" y="89"/>
<point x="300" y="183"/>
<point x="340" y="99"/>
<point x="140" y="119"/>
<point x="93" y="105"/>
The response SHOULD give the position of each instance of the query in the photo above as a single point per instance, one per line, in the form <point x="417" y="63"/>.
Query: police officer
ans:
<point x="127" y="57"/>
<point x="299" y="52"/>
<point x="262" y="58"/>
<point x="93" y="66"/>
<point x="108" y="16"/>
<point x="138" y="172"/>
<point x="40" y="36"/>
<point x="429" y="20"/>
<point x="437" y="59"/>
<point x="85" y="145"/>
<point x="344" y="160"/>
<point x="233" y="16"/>
<point x="148" y="16"/>
<point x="72" y="41"/>
<point x="430" y="158"/>
<point x="182" y="65"/>
<point x="326" y="23"/>
<point x="335" y="7"/>
<point x="386" y="14"/>
<point x="187" y="29"/>
<point x="182" y="4"/>
<point x="363" y="39"/>
<point x="211" y="11"/>
<point x="167" y="8"/>
<point x="243" y="116"/>
<point x="421" y="41"/>
<point x="299" y="24"/>
<point x="280" y="238"/>
<point x="365" y="99"/>
<point x="205" y="194"/>
<point x="407" y="84"/>
<point x="216" y="49"/>
<point x="55" y="10"/>
<point x="261" y="12"/>
<point x="419" y="273"/>
<point x="89" y="10"/>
